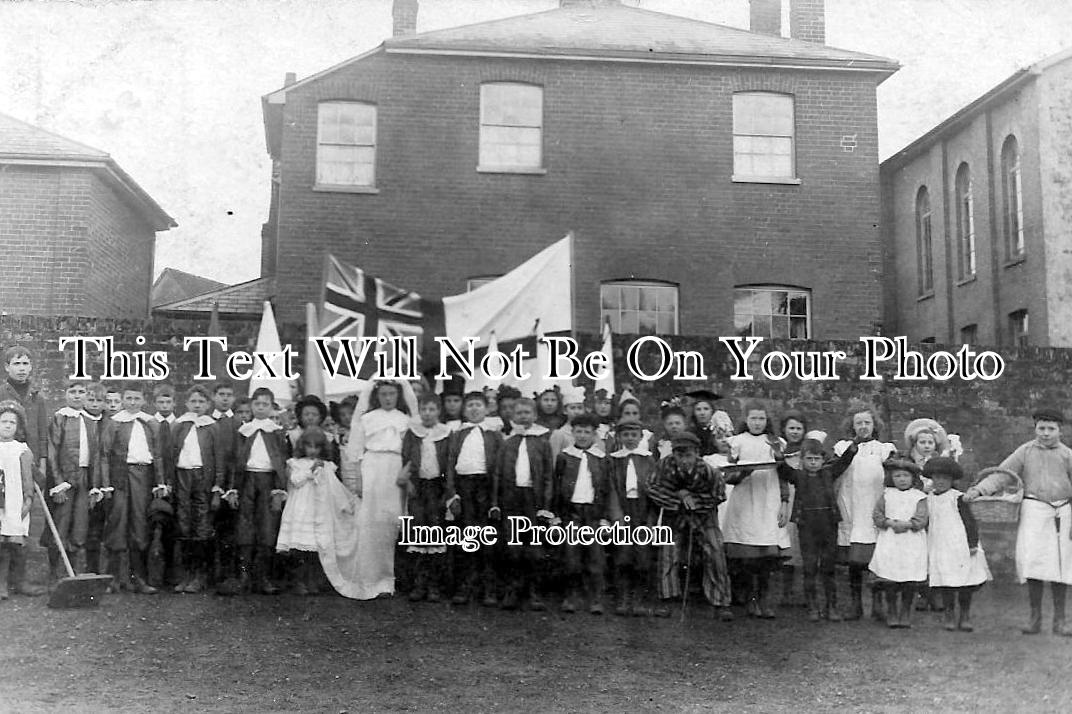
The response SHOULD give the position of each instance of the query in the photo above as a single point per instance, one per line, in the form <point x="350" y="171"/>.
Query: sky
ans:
<point x="172" y="88"/>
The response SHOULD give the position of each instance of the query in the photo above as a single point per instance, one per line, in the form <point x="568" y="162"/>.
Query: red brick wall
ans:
<point x="121" y="243"/>
<point x="1001" y="286"/>
<point x="639" y="165"/>
<point x="43" y="234"/>
<point x="70" y="246"/>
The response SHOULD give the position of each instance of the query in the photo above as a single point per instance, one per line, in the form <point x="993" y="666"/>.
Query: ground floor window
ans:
<point x="772" y="311"/>
<point x="637" y="307"/>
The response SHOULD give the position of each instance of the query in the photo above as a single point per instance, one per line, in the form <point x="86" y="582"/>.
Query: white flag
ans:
<point x="268" y="342"/>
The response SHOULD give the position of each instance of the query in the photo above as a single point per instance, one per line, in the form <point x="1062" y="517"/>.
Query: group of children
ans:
<point x="230" y="484"/>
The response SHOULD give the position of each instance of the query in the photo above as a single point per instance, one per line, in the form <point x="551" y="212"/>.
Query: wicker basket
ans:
<point x="1003" y="507"/>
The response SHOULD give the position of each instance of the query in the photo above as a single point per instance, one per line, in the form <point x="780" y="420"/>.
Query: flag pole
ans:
<point x="573" y="288"/>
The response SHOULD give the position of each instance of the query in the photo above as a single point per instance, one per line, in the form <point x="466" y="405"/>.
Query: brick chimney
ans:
<point x="765" y="16"/>
<point x="588" y="3"/>
<point x="404" y="13"/>
<point x="807" y="20"/>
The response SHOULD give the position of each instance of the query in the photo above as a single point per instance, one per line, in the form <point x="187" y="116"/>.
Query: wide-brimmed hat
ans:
<point x="899" y="462"/>
<point x="943" y="466"/>
<point x="924" y="424"/>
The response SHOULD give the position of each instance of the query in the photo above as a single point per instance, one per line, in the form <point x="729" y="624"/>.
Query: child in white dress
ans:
<point x="956" y="563"/>
<point x="899" y="563"/>
<point x="306" y="474"/>
<point x="857" y="490"/>
<point x="16" y="494"/>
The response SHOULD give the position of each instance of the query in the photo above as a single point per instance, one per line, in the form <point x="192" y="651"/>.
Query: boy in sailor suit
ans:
<point x="131" y="463"/>
<point x="197" y="478"/>
<point x="261" y="485"/>
<point x="472" y="457"/>
<point x="631" y="467"/>
<point x="73" y="454"/>
<point x="522" y="487"/>
<point x="581" y="488"/>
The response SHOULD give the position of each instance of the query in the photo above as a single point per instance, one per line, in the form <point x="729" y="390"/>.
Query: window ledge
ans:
<point x="966" y="281"/>
<point x="925" y="296"/>
<point x="1013" y="262"/>
<point x="532" y="171"/>
<point x="766" y="179"/>
<point x="328" y="188"/>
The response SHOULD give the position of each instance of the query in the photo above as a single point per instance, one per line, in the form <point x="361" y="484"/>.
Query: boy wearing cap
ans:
<point x="581" y="488"/>
<point x="521" y="487"/>
<point x="472" y="457"/>
<point x="630" y="468"/>
<point x="687" y="491"/>
<point x="1044" y="536"/>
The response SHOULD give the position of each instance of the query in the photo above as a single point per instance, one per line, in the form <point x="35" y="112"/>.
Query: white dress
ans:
<point x="297" y="527"/>
<point x="901" y="557"/>
<point x="377" y="443"/>
<point x="861" y="486"/>
<point x="12" y="524"/>
<point x="950" y="563"/>
<point x="753" y="505"/>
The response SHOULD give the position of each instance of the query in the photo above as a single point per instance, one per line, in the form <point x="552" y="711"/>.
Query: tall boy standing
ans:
<point x="73" y="452"/>
<point x="131" y="463"/>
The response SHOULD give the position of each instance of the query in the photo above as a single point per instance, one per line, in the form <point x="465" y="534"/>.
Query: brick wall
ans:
<point x="70" y="246"/>
<point x="992" y="418"/>
<point x="639" y="166"/>
<point x="121" y="243"/>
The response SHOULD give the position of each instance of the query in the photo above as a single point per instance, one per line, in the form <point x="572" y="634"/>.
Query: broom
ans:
<point x="74" y="590"/>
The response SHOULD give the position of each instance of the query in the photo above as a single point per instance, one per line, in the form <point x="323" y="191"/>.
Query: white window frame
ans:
<point x="321" y="142"/>
<point x="967" y="265"/>
<point x="925" y="240"/>
<point x="1012" y="198"/>
<point x="792" y="292"/>
<point x="617" y="315"/>
<point x="743" y="133"/>
<point x="486" y="163"/>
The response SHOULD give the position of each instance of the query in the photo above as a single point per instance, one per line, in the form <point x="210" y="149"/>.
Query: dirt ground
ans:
<point x="190" y="653"/>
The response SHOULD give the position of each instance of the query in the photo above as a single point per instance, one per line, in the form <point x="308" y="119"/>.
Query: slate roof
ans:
<point x="173" y="285"/>
<point x="22" y="143"/>
<point x="620" y="32"/>
<point x="242" y="299"/>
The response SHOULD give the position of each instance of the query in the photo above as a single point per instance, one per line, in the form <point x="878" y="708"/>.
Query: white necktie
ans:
<point x="630" y="477"/>
<point x="522" y="472"/>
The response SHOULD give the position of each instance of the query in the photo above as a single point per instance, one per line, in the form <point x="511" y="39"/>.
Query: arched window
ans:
<point x="965" y="224"/>
<point x="639" y="307"/>
<point x="924" y="241"/>
<point x="346" y="145"/>
<point x="1012" y="200"/>
<point x="772" y="311"/>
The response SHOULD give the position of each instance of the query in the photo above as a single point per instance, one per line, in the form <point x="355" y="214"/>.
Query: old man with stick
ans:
<point x="687" y="491"/>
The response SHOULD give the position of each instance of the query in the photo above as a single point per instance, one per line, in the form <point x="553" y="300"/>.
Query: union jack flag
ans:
<point x="356" y="304"/>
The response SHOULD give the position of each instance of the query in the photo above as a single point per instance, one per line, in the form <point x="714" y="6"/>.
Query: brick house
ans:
<point x="78" y="234"/>
<point x="716" y="180"/>
<point x="978" y="218"/>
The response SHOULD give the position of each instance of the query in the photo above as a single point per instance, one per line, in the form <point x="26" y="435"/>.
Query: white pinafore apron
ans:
<point x="901" y="557"/>
<point x="11" y="521"/>
<point x="950" y="563"/>
<point x="753" y="505"/>
<point x="1044" y="542"/>
<point x="861" y="486"/>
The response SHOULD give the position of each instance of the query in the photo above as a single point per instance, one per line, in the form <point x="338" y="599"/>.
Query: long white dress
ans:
<point x="297" y="526"/>
<point x="375" y="447"/>
<point x="12" y="524"/>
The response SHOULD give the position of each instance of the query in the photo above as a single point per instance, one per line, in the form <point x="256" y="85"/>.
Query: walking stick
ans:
<point x="688" y="574"/>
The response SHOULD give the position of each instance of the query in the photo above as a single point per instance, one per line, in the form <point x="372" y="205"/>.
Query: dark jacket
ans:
<point x="567" y="468"/>
<point x="618" y="468"/>
<point x="63" y="438"/>
<point x="411" y="454"/>
<point x="274" y="442"/>
<point x="211" y="451"/>
<point x="492" y="444"/>
<point x="504" y="490"/>
<point x="113" y="446"/>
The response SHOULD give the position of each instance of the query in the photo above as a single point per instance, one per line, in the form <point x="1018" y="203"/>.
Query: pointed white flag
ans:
<point x="268" y="342"/>
<point x="607" y="349"/>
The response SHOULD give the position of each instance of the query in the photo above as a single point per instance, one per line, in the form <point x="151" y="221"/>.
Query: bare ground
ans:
<point x="256" y="654"/>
